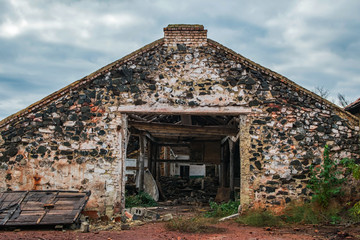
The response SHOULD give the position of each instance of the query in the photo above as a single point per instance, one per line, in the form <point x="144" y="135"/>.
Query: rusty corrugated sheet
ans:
<point x="47" y="207"/>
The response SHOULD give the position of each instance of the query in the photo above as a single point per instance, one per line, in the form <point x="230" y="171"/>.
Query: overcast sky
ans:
<point x="45" y="45"/>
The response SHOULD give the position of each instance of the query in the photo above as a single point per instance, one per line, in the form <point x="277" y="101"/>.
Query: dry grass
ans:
<point x="193" y="225"/>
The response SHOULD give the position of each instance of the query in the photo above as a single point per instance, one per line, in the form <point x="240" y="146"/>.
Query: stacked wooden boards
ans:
<point x="41" y="207"/>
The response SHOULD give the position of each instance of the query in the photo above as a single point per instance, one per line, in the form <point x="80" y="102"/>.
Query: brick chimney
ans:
<point x="187" y="34"/>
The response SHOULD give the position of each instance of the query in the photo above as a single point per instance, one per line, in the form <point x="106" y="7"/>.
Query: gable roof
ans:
<point x="241" y="59"/>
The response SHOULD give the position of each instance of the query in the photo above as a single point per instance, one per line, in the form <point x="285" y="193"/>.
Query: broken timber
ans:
<point x="25" y="208"/>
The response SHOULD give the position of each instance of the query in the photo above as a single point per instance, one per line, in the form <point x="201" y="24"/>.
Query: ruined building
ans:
<point x="253" y="129"/>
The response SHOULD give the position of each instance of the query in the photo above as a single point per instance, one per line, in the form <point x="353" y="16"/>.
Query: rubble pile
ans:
<point x="189" y="191"/>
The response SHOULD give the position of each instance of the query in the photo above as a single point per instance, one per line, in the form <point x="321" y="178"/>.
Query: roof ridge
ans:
<point x="74" y="85"/>
<point x="354" y="120"/>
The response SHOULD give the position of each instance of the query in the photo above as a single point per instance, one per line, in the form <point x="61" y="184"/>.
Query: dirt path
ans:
<point x="232" y="230"/>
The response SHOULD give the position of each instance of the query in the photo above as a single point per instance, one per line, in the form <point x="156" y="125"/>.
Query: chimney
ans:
<point x="187" y="34"/>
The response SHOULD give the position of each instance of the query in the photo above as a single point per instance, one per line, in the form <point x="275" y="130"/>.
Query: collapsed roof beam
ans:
<point x="184" y="130"/>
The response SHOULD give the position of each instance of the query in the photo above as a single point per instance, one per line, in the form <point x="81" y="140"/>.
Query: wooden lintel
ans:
<point x="181" y="110"/>
<point x="181" y="130"/>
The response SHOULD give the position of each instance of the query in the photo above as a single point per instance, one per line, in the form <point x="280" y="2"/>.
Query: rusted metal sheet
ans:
<point x="37" y="207"/>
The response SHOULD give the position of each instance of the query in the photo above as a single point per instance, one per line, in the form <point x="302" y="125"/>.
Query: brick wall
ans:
<point x="189" y="35"/>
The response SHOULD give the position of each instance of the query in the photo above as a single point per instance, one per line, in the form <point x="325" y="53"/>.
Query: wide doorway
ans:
<point x="193" y="159"/>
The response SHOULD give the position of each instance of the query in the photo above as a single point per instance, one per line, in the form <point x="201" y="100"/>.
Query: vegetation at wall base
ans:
<point x="223" y="209"/>
<point x="260" y="218"/>
<point x="142" y="199"/>
<point x="324" y="181"/>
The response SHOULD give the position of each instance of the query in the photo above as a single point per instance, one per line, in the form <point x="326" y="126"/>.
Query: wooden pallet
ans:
<point x="41" y="207"/>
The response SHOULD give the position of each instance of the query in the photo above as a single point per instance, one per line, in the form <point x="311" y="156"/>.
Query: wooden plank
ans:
<point x="10" y="214"/>
<point x="26" y="218"/>
<point x="181" y="110"/>
<point x="181" y="130"/>
<point x="47" y="209"/>
<point x="32" y="205"/>
<point x="43" y="207"/>
<point x="70" y="195"/>
<point x="141" y="161"/>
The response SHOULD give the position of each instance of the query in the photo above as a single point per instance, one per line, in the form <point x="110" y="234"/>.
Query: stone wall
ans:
<point x="77" y="141"/>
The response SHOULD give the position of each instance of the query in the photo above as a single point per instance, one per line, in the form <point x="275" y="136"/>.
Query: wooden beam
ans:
<point x="142" y="159"/>
<point x="222" y="168"/>
<point x="181" y="110"/>
<point x="180" y="130"/>
<point x="231" y="167"/>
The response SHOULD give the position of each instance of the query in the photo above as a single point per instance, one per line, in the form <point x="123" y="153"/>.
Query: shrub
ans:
<point x="222" y="210"/>
<point x="142" y="199"/>
<point x="324" y="180"/>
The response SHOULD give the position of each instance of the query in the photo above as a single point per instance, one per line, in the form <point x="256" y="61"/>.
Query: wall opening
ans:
<point x="193" y="159"/>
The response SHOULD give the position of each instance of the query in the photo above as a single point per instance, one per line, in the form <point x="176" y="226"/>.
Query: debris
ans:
<point x="59" y="227"/>
<point x="167" y="217"/>
<point x="188" y="191"/>
<point x="41" y="207"/>
<point x="128" y="215"/>
<point x="84" y="228"/>
<point x="229" y="217"/>
<point x="125" y="227"/>
<point x="150" y="185"/>
<point x="139" y="212"/>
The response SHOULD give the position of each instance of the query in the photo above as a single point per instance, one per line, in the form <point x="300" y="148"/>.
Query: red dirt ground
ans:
<point x="157" y="231"/>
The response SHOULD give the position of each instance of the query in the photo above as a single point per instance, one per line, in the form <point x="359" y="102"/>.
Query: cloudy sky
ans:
<point x="45" y="45"/>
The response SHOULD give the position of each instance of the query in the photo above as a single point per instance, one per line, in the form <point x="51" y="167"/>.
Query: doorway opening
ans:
<point x="193" y="159"/>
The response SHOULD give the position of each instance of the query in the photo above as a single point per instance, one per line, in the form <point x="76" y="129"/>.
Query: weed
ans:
<point x="324" y="180"/>
<point x="193" y="225"/>
<point x="222" y="210"/>
<point x="142" y="199"/>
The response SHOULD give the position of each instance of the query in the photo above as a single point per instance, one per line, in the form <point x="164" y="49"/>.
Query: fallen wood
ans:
<point x="229" y="217"/>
